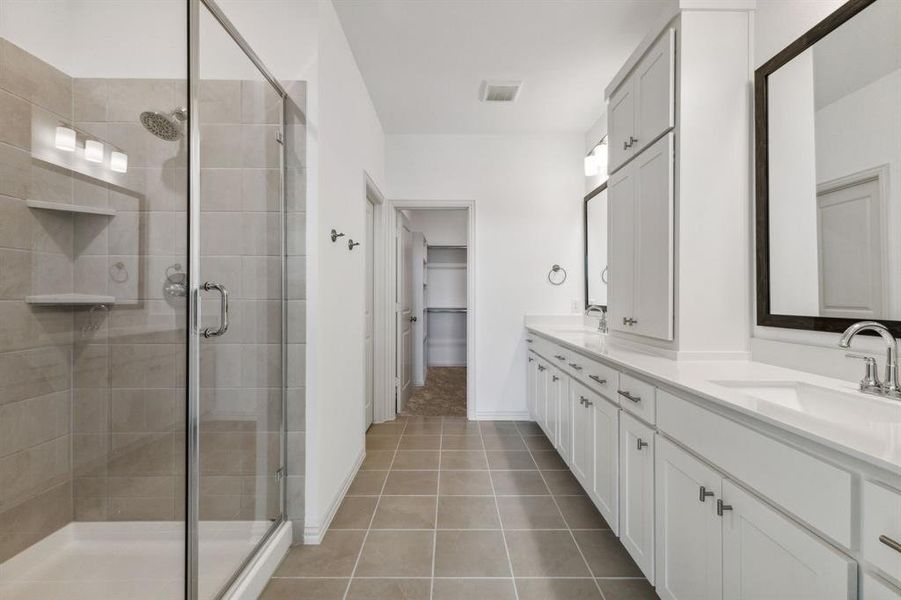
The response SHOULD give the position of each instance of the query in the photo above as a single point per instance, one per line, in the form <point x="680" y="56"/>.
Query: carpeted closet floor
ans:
<point x="443" y="395"/>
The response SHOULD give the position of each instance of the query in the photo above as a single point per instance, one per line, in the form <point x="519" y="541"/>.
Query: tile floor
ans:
<point x="449" y="509"/>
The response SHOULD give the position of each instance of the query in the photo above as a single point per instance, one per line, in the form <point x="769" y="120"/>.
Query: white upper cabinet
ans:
<point x="689" y="532"/>
<point x="765" y="555"/>
<point x="643" y="107"/>
<point x="640" y="244"/>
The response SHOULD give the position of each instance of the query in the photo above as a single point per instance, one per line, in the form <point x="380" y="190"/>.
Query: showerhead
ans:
<point x="166" y="127"/>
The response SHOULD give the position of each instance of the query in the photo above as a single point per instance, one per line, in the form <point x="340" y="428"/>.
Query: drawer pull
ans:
<point x="531" y="359"/>
<point x="704" y="493"/>
<point x="896" y="546"/>
<point x="625" y="394"/>
<point x="529" y="340"/>
<point x="575" y="366"/>
<point x="583" y="400"/>
<point x="598" y="379"/>
<point x="541" y="367"/>
<point x="641" y="443"/>
<point x="722" y="507"/>
<point x="559" y="357"/>
<point x="554" y="378"/>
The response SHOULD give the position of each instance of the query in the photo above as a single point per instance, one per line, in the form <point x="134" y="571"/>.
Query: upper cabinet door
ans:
<point x="620" y="126"/>
<point x="620" y="249"/>
<point x="765" y="555"/>
<point x="653" y="241"/>
<point x="653" y="88"/>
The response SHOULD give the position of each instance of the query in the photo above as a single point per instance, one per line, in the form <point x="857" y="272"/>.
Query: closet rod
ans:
<point x="446" y="310"/>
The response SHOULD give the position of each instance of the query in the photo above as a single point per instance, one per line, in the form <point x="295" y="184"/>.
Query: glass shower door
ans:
<point x="240" y="278"/>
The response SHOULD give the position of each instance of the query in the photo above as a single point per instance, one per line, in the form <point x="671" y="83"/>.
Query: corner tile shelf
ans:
<point x="69" y="299"/>
<point x="71" y="208"/>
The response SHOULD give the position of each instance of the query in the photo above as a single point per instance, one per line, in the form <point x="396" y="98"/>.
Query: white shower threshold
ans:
<point x="140" y="560"/>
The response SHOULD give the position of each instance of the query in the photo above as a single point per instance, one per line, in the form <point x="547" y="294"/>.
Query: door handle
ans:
<point x="223" y="309"/>
<point x="413" y="319"/>
<point x="722" y="507"/>
<point x="704" y="493"/>
<point x="641" y="443"/>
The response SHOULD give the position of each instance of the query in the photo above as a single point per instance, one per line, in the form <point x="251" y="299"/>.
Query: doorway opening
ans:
<point x="433" y="258"/>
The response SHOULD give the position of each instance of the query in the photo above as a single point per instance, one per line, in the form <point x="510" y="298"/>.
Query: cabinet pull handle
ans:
<point x="722" y="507"/>
<point x="588" y="402"/>
<point x="559" y="357"/>
<point x="598" y="379"/>
<point x="531" y="359"/>
<point x="582" y="400"/>
<point x="625" y="394"/>
<point x="555" y="378"/>
<point x="625" y="145"/>
<point x="641" y="443"/>
<point x="704" y="493"/>
<point x="632" y="141"/>
<point x="541" y="367"/>
<point x="894" y="545"/>
<point x="529" y="340"/>
<point x="575" y="366"/>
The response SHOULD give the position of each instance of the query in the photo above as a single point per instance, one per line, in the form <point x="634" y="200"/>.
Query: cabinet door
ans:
<point x="541" y="392"/>
<point x="605" y="490"/>
<point x="583" y="434"/>
<point x="565" y="427"/>
<point x="531" y="385"/>
<point x="872" y="588"/>
<point x="689" y="545"/>
<point x="765" y="555"/>
<point x="555" y="387"/>
<point x="653" y="88"/>
<point x="620" y="126"/>
<point x="620" y="248"/>
<point x="653" y="240"/>
<point x="636" y="492"/>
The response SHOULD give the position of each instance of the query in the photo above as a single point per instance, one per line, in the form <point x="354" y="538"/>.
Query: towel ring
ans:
<point x="604" y="275"/>
<point x="554" y="278"/>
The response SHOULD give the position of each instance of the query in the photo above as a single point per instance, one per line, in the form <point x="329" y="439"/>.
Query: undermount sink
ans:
<point x="820" y="402"/>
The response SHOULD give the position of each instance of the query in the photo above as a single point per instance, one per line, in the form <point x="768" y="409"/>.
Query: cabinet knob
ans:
<point x="641" y="443"/>
<point x="704" y="493"/>
<point x="722" y="507"/>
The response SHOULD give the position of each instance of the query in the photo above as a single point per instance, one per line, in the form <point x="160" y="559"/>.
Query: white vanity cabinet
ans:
<point x="765" y="554"/>
<point x="881" y="528"/>
<point x="874" y="588"/>
<point x="643" y="106"/>
<point x="542" y="378"/>
<point x="640" y="243"/>
<point x="557" y="387"/>
<point x="583" y="399"/>
<point x="689" y="535"/>
<point x="636" y="492"/>
<point x="532" y="385"/>
<point x="564" y="441"/>
<point x="605" y="490"/>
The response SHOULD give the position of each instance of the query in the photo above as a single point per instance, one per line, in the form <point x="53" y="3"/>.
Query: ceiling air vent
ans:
<point x="500" y="91"/>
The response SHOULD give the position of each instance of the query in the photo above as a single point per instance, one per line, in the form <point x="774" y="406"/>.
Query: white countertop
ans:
<point x="863" y="426"/>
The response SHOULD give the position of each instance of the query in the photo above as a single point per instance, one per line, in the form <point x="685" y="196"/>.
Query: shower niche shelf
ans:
<point x="71" y="208"/>
<point x="69" y="299"/>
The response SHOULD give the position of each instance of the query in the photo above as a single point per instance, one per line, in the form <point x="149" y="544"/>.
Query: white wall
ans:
<point x="527" y="192"/>
<point x="441" y="227"/>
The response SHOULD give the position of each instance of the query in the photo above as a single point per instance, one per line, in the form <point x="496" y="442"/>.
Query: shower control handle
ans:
<point x="209" y="332"/>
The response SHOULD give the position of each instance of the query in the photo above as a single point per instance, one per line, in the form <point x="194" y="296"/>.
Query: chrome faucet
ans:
<point x="602" y="324"/>
<point x="870" y="383"/>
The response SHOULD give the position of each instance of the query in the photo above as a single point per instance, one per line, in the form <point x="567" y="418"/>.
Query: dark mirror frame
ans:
<point x="585" y="200"/>
<point x="761" y="130"/>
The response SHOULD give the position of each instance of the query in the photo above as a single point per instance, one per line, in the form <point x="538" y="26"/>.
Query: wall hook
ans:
<point x="336" y="235"/>
<point x="351" y="243"/>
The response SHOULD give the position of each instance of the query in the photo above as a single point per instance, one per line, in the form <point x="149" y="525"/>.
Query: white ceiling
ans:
<point x="423" y="61"/>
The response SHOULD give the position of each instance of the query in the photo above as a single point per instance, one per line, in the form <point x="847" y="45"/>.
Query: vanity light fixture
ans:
<point x="65" y="138"/>
<point x="93" y="151"/>
<point x="118" y="162"/>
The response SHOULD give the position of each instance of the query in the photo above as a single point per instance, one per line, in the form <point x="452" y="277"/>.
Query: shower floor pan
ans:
<point x="139" y="560"/>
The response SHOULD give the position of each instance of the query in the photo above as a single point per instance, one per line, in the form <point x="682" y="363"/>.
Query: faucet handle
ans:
<point x="871" y="378"/>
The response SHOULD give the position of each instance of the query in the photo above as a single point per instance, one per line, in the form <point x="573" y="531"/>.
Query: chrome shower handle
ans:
<point x="223" y="309"/>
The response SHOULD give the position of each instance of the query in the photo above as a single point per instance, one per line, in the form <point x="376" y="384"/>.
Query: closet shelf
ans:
<point x="71" y="208"/>
<point x="69" y="299"/>
<point x="433" y="265"/>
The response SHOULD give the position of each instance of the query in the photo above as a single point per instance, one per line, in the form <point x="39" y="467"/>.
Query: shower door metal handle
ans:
<point x="223" y="309"/>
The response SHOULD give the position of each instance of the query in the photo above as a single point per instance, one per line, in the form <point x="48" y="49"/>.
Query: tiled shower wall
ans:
<point x="92" y="401"/>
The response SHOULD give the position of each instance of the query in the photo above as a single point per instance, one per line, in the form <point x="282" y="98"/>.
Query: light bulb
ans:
<point x="93" y="151"/>
<point x="118" y="162"/>
<point x="65" y="138"/>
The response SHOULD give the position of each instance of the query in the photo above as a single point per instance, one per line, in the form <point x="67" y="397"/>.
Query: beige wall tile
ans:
<point x="220" y="146"/>
<point x="15" y="172"/>
<point x="259" y="147"/>
<point x="260" y="103"/>
<point x="34" y="421"/>
<point x="31" y="78"/>
<point x="15" y="274"/>
<point x="90" y="411"/>
<point x="89" y="99"/>
<point x="26" y="523"/>
<point x="34" y="470"/>
<point x="24" y="326"/>
<point x="15" y="121"/>
<point x="128" y="98"/>
<point x="31" y="373"/>
<point x="219" y="101"/>
<point x="220" y="190"/>
<point x="260" y="189"/>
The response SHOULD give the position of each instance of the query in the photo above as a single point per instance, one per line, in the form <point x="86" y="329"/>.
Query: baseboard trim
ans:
<point x="503" y="415"/>
<point x="313" y="534"/>
<point x="257" y="574"/>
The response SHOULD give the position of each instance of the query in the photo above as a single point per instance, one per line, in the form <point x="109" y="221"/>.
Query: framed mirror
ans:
<point x="595" y="220"/>
<point x="828" y="173"/>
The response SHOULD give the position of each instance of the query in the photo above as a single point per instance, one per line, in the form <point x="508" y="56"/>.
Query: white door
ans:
<point x="654" y="90"/>
<point x="369" y="314"/>
<point x="620" y="123"/>
<point x="653" y="241"/>
<point x="620" y="249"/>
<point x="605" y="490"/>
<point x="404" y="310"/>
<point x="768" y="557"/>
<point x="636" y="492"/>
<point x="556" y="389"/>
<point x="689" y="532"/>
<point x="541" y="393"/>
<point x="583" y="434"/>
<point x="565" y="429"/>
<point x="532" y="385"/>
<point x="850" y="250"/>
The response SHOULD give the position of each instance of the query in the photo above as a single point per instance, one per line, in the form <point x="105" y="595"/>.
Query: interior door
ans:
<point x="240" y="263"/>
<point x="368" y="315"/>
<point x="620" y="248"/>
<point x="404" y="310"/>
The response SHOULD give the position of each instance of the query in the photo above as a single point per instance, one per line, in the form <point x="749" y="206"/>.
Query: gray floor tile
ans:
<point x="471" y="554"/>
<point x="397" y="554"/>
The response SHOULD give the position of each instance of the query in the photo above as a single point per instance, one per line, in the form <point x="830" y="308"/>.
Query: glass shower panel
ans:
<point x="241" y="374"/>
<point x="93" y="312"/>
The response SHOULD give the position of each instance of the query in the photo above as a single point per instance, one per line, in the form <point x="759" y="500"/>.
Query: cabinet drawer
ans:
<point x="816" y="492"/>
<point x="601" y="378"/>
<point x="872" y="588"/>
<point x="881" y="528"/>
<point x="638" y="397"/>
